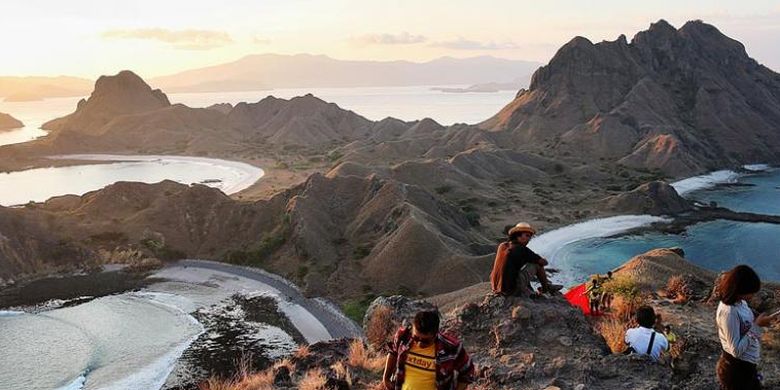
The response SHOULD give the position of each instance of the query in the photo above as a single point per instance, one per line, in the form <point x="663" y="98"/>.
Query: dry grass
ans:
<point x="771" y="338"/>
<point x="361" y="357"/>
<point x="679" y="289"/>
<point x="244" y="379"/>
<point x="342" y="372"/>
<point x="614" y="333"/>
<point x="303" y="351"/>
<point x="314" y="379"/>
<point x="677" y="348"/>
<point x="380" y="327"/>
<point x="623" y="308"/>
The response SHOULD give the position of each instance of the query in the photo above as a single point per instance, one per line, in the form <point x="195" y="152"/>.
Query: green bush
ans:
<point x="355" y="309"/>
<point x="622" y="285"/>
<point x="443" y="189"/>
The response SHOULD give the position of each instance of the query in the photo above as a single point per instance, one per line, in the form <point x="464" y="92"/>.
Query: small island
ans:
<point x="8" y="122"/>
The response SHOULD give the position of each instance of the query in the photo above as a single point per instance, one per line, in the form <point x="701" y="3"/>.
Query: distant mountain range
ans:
<point x="37" y="88"/>
<point x="267" y="71"/>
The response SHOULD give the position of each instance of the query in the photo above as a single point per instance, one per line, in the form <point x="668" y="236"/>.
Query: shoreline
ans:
<point x="550" y="243"/>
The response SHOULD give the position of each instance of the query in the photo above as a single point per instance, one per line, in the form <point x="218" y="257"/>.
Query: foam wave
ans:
<point x="550" y="244"/>
<point x="154" y="375"/>
<point x="77" y="383"/>
<point x="756" y="167"/>
<point x="709" y="180"/>
<point x="10" y="313"/>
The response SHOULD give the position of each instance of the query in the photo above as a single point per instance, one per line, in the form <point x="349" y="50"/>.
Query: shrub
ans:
<point x="443" y="189"/>
<point x="623" y="307"/>
<point x="614" y="332"/>
<point x="360" y="357"/>
<point x="313" y="380"/>
<point x="355" y="309"/>
<point x="622" y="285"/>
<point x="679" y="289"/>
<point x="380" y="327"/>
<point x="361" y="251"/>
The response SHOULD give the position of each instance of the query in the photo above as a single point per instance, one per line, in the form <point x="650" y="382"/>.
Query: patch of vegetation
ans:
<point x="302" y="271"/>
<point x="443" y="189"/>
<point x="335" y="155"/>
<point x="362" y="251"/>
<point x="267" y="246"/>
<point x="355" y="309"/>
<point x="108" y="238"/>
<point x="162" y="251"/>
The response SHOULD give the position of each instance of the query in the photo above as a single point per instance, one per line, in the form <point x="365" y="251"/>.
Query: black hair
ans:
<point x="645" y="316"/>
<point x="741" y="280"/>
<point x="427" y="321"/>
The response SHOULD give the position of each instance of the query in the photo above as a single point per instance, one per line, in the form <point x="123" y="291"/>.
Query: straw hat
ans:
<point x="521" y="227"/>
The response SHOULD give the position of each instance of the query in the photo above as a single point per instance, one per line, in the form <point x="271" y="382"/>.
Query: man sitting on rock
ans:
<point x="516" y="265"/>
<point x="644" y="340"/>
<point x="422" y="358"/>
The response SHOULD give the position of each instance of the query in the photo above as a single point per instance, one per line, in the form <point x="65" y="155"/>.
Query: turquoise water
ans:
<point x="717" y="245"/>
<point x="763" y="196"/>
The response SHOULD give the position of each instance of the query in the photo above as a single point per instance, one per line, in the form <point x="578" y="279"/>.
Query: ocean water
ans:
<point x="718" y="245"/>
<point x="375" y="103"/>
<point x="40" y="184"/>
<point x="132" y="341"/>
<point x="116" y="342"/>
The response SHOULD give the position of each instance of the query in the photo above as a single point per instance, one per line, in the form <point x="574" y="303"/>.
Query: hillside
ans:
<point x="682" y="101"/>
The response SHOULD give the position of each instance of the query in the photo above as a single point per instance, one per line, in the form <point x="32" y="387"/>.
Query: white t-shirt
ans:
<point x="738" y="333"/>
<point x="639" y="338"/>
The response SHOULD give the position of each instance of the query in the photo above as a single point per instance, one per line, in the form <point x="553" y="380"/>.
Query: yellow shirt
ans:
<point x="420" y="368"/>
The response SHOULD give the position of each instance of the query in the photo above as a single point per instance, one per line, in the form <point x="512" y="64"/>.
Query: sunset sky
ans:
<point x="89" y="37"/>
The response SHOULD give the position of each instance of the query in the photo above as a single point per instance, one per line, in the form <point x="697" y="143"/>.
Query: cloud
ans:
<point x="466" y="44"/>
<point x="179" y="39"/>
<point x="403" y="38"/>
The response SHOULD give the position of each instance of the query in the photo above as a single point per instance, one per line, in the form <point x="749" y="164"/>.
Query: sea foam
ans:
<point x="709" y="180"/>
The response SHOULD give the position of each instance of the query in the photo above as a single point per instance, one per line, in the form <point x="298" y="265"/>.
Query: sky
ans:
<point x="88" y="38"/>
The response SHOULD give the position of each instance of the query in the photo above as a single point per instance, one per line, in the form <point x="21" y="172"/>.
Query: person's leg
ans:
<point x="536" y="271"/>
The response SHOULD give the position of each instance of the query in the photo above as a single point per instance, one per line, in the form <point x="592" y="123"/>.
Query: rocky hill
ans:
<point x="681" y="100"/>
<point x="7" y="122"/>
<point x="341" y="237"/>
<point x="126" y="114"/>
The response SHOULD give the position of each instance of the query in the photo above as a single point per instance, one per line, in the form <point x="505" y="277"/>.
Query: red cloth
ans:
<point x="577" y="297"/>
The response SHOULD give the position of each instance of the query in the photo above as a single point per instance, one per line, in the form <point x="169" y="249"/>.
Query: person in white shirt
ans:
<point x="739" y="330"/>
<point x="644" y="340"/>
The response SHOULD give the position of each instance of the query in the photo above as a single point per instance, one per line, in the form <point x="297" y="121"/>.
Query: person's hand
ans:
<point x="765" y="319"/>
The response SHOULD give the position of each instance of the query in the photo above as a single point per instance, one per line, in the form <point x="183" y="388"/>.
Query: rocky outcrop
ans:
<point x="7" y="122"/>
<point x="336" y="236"/>
<point x="122" y="94"/>
<point x="679" y="100"/>
<point x="304" y="120"/>
<point x="654" y="198"/>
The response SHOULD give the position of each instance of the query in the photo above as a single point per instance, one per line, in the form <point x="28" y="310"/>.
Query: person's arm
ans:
<point x="729" y="324"/>
<point x="465" y="369"/>
<point x="390" y="364"/>
<point x="764" y="320"/>
<point x="534" y="257"/>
